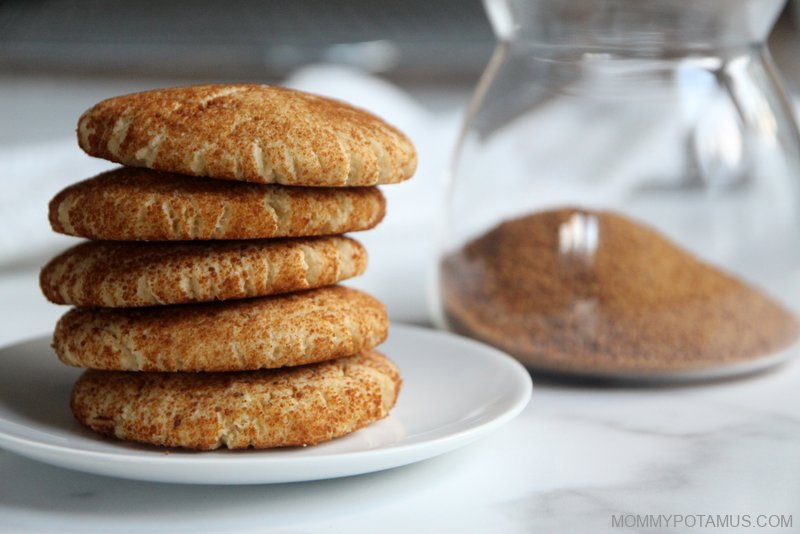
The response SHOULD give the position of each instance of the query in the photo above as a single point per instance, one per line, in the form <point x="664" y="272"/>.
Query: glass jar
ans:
<point x="623" y="201"/>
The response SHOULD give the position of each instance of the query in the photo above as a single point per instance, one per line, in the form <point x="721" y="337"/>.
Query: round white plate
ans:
<point x="454" y="391"/>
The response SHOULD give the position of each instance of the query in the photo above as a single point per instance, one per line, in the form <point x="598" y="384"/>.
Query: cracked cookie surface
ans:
<point x="133" y="204"/>
<point x="116" y="274"/>
<point x="274" y="408"/>
<point x="254" y="133"/>
<point x="237" y="335"/>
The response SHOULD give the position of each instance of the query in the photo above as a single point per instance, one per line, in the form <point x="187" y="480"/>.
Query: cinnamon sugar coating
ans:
<point x="255" y="133"/>
<point x="237" y="335"/>
<point x="117" y="274"/>
<point x="133" y="204"/>
<point x="261" y="409"/>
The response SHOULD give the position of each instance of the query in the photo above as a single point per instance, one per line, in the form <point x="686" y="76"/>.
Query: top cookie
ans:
<point x="254" y="133"/>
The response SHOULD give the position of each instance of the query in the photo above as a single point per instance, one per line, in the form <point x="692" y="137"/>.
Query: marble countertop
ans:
<point x="576" y="458"/>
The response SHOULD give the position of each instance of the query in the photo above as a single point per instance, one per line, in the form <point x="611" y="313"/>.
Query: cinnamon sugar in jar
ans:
<point x="596" y="293"/>
<point x="624" y="200"/>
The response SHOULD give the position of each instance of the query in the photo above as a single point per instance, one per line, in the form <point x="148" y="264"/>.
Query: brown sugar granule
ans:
<point x="597" y="293"/>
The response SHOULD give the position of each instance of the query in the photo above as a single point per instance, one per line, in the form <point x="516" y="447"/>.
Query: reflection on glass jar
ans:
<point x="624" y="198"/>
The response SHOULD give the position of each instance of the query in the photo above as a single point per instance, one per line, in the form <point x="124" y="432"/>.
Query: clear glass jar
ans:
<point x="623" y="201"/>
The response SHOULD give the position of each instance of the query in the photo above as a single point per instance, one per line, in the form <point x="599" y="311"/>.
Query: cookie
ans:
<point x="237" y="335"/>
<point x="131" y="204"/>
<point x="261" y="409"/>
<point x="118" y="274"/>
<point x="255" y="133"/>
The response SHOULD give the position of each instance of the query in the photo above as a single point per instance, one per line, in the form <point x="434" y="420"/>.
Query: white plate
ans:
<point x="454" y="391"/>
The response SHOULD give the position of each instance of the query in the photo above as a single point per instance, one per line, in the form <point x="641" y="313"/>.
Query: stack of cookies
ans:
<point x="206" y="308"/>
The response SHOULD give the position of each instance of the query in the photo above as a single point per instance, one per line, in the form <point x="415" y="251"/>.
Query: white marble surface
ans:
<point x="574" y="457"/>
